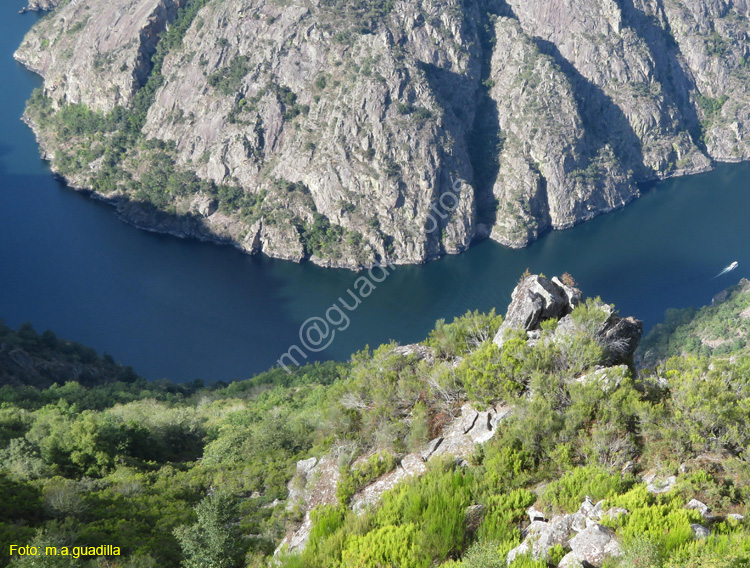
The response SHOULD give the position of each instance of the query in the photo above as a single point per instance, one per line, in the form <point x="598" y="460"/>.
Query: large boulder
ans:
<point x="534" y="300"/>
<point x="618" y="336"/>
<point x="594" y="544"/>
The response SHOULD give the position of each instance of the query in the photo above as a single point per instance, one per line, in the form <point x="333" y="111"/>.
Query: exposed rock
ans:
<point x="207" y="206"/>
<point x="409" y="466"/>
<point x="618" y="336"/>
<point x="627" y="468"/>
<point x="102" y="51"/>
<point x="535" y="515"/>
<point x="702" y="508"/>
<point x="43" y="5"/>
<point x="572" y="104"/>
<point x="314" y="484"/>
<point x="659" y="485"/>
<point x="587" y="507"/>
<point x="594" y="544"/>
<point x="735" y="516"/>
<point x="699" y="531"/>
<point x="532" y="534"/>
<point x="432" y="447"/>
<point x="570" y="560"/>
<point x="589" y="547"/>
<point x="609" y="378"/>
<point x="534" y="300"/>
<point x="422" y="352"/>
<point x="558" y="532"/>
<point x="579" y="522"/>
<point x="615" y="513"/>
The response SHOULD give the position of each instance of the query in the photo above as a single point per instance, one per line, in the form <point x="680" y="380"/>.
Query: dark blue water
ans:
<point x="185" y="310"/>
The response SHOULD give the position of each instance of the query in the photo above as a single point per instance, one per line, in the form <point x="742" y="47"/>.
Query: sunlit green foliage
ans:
<point x="135" y="462"/>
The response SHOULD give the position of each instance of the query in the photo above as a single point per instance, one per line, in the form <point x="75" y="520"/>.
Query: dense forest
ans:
<point x="200" y="476"/>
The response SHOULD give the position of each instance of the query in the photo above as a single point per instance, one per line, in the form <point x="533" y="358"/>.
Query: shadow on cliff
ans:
<point x="666" y="55"/>
<point x="604" y="121"/>
<point x="484" y="140"/>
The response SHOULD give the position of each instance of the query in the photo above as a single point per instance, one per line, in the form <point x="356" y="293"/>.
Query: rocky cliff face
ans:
<point x="353" y="132"/>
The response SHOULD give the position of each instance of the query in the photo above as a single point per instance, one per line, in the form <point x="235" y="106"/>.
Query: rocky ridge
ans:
<point x="316" y="481"/>
<point x="406" y="131"/>
<point x="537" y="299"/>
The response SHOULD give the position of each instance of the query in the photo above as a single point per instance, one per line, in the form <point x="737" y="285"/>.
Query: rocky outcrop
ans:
<point x="589" y="542"/>
<point x="42" y="5"/>
<point x="315" y="482"/>
<point x="619" y="337"/>
<point x="96" y="53"/>
<point x="594" y="544"/>
<point x="534" y="300"/>
<point x="363" y="131"/>
<point x="537" y="299"/>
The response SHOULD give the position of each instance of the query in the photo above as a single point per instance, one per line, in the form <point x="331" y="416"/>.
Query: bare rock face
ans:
<point x="42" y="5"/>
<point x="594" y="544"/>
<point x="534" y="300"/>
<point x="315" y="482"/>
<point x="537" y="299"/>
<point x="409" y="132"/>
<point x="618" y="336"/>
<point x="96" y="53"/>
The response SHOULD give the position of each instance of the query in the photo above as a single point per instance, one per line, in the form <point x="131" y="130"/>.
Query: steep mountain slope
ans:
<point x="458" y="452"/>
<point x="347" y="132"/>
<point x="720" y="329"/>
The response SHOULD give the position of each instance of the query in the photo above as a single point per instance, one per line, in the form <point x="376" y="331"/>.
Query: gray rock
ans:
<point x="594" y="544"/>
<point x="615" y="513"/>
<point x="570" y="560"/>
<point x="702" y="508"/>
<point x="618" y="336"/>
<point x="661" y="485"/>
<point x="597" y="511"/>
<point x="699" y="531"/>
<point x="573" y="295"/>
<point x="579" y="522"/>
<point x="534" y="300"/>
<point x="207" y="206"/>
<point x="590" y="97"/>
<point x="432" y="446"/>
<point x="735" y="516"/>
<point x="587" y="507"/>
<point x="535" y="514"/>
<point x="541" y="536"/>
<point x="558" y="532"/>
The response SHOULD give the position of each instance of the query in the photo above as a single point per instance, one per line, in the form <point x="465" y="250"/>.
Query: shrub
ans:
<point x="567" y="494"/>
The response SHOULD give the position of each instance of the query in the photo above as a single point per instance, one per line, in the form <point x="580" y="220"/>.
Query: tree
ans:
<point x="212" y="542"/>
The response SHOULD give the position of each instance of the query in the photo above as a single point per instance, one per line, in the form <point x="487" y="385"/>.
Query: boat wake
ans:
<point x="729" y="268"/>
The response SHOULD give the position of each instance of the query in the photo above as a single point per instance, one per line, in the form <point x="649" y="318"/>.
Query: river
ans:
<point x="183" y="309"/>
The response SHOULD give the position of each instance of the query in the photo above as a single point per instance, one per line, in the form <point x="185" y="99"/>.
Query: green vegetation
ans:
<point x="197" y="476"/>
<point x="720" y="329"/>
<point x="711" y="111"/>
<point x="115" y="138"/>
<point x="228" y="79"/>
